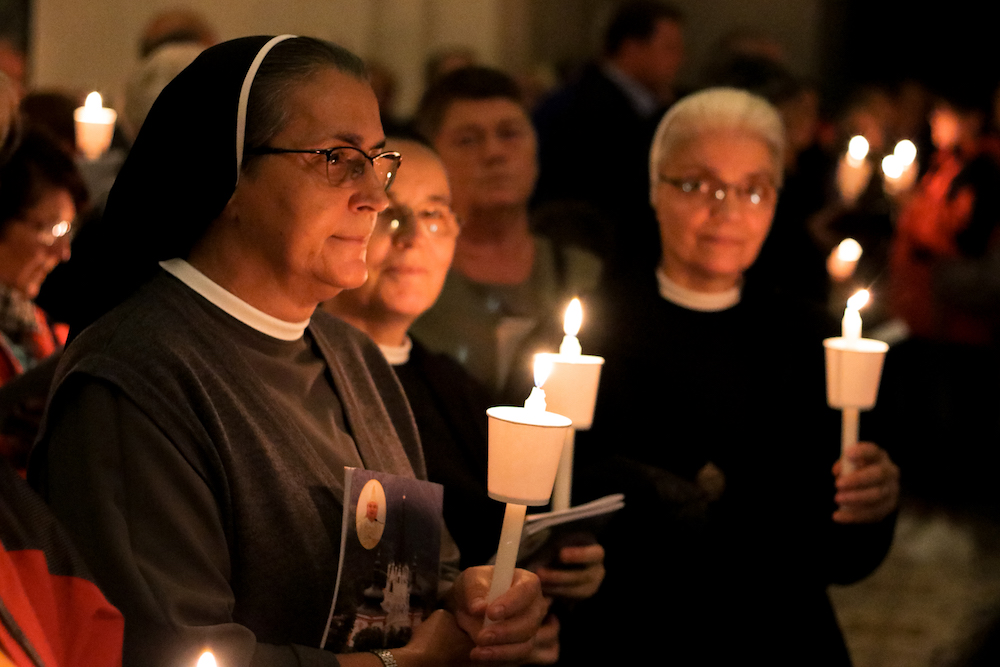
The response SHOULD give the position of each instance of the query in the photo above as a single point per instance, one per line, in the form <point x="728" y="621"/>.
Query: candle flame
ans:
<point x="859" y="299"/>
<point x="857" y="148"/>
<point x="94" y="101"/>
<point x="543" y="367"/>
<point x="849" y="250"/>
<point x="207" y="659"/>
<point x="905" y="152"/>
<point x="892" y="166"/>
<point x="573" y="318"/>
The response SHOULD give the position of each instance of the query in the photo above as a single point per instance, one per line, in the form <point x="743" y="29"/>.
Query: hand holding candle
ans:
<point x="95" y="126"/>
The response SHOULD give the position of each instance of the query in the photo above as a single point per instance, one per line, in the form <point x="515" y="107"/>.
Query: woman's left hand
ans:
<point x="581" y="580"/>
<point x="869" y="493"/>
<point x="515" y="617"/>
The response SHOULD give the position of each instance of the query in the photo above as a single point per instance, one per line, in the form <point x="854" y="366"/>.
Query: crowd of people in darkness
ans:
<point x="205" y="329"/>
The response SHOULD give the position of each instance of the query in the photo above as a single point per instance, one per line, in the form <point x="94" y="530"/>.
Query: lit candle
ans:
<point x="95" y="126"/>
<point x="571" y="327"/>
<point x="524" y="449"/>
<point x="851" y="324"/>
<point x="853" y="170"/>
<point x="900" y="168"/>
<point x="206" y="660"/>
<point x="844" y="259"/>
<point x="536" y="399"/>
<point x="857" y="151"/>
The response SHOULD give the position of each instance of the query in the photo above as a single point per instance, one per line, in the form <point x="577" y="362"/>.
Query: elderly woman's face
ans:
<point x="36" y="242"/>
<point x="304" y="234"/>
<point x="708" y="241"/>
<point x="413" y="243"/>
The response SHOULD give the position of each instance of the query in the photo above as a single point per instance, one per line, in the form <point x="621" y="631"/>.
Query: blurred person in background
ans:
<point x="41" y="193"/>
<point x="508" y="286"/>
<point x="593" y="134"/>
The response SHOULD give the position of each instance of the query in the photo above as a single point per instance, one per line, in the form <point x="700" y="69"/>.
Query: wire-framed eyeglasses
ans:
<point x="712" y="190"/>
<point x="438" y="220"/>
<point x="345" y="164"/>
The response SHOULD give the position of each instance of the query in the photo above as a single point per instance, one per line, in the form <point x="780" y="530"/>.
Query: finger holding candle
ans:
<point x="871" y="491"/>
<point x="505" y="628"/>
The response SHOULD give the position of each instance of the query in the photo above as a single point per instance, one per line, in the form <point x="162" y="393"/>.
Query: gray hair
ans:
<point x="715" y="109"/>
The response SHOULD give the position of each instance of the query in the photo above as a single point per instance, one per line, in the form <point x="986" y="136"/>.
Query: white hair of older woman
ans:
<point x="714" y="110"/>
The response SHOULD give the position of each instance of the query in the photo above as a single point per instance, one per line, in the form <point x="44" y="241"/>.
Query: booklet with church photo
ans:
<point x="390" y="545"/>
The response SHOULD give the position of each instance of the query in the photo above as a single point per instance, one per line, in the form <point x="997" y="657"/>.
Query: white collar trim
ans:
<point x="397" y="355"/>
<point x="232" y="304"/>
<point x="707" y="302"/>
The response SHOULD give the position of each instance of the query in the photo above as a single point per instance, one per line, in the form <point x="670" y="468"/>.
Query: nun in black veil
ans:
<point x="199" y="424"/>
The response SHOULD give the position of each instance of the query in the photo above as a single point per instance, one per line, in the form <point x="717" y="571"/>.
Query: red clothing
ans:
<point x="952" y="214"/>
<point x="44" y="341"/>
<point x="51" y="612"/>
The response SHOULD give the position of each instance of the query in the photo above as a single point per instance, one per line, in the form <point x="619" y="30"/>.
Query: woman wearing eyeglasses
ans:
<point x="712" y="417"/>
<point x="196" y="439"/>
<point x="40" y="194"/>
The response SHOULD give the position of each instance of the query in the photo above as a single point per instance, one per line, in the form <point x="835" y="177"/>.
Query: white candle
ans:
<point x="853" y="170"/>
<point x="95" y="126"/>
<point x="571" y="327"/>
<point x="844" y="259"/>
<point x="900" y="168"/>
<point x="207" y="659"/>
<point x="851" y="324"/>
<point x="857" y="151"/>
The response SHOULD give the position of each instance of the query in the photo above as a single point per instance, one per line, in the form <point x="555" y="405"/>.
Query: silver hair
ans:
<point x="715" y="109"/>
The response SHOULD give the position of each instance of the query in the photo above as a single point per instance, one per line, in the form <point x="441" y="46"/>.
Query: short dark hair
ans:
<point x="38" y="163"/>
<point x="637" y="20"/>
<point x="287" y="65"/>
<point x="468" y="83"/>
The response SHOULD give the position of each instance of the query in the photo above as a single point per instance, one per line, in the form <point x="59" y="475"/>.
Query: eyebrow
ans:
<point x="357" y="141"/>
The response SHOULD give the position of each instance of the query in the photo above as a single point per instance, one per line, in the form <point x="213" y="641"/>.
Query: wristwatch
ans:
<point x="385" y="655"/>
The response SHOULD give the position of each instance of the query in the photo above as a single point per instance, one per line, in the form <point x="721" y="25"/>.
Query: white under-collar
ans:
<point x="397" y="355"/>
<point x="232" y="304"/>
<point x="707" y="302"/>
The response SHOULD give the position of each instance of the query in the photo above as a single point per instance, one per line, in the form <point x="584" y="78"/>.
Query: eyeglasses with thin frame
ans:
<point x="48" y="234"/>
<point x="437" y="220"/>
<point x="345" y="164"/>
<point x="712" y="190"/>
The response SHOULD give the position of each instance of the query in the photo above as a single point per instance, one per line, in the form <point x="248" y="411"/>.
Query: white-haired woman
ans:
<point x="713" y="397"/>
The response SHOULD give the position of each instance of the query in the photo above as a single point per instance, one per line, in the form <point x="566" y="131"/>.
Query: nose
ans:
<point x="61" y="248"/>
<point x="370" y="195"/>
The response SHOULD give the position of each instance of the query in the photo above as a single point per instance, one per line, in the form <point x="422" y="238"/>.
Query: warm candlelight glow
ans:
<point x="905" y="152"/>
<point x="207" y="660"/>
<point x="859" y="299"/>
<point x="892" y="166"/>
<point x="573" y="318"/>
<point x="95" y="101"/>
<point x="857" y="148"/>
<point x="543" y="367"/>
<point x="849" y="250"/>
